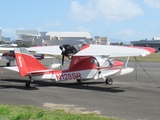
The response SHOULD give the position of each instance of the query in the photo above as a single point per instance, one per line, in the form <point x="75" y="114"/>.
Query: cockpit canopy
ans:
<point x="101" y="61"/>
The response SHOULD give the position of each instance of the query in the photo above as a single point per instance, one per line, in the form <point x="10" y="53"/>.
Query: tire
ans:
<point x="27" y="84"/>
<point x="8" y="64"/>
<point x="79" y="80"/>
<point x="109" y="81"/>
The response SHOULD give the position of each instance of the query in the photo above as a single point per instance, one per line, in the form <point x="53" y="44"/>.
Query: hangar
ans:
<point x="34" y="37"/>
<point x="155" y="43"/>
<point x="27" y="37"/>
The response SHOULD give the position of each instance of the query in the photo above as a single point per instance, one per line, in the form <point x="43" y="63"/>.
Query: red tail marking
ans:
<point x="27" y="63"/>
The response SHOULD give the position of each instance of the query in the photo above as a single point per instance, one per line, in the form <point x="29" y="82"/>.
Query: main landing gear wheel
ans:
<point x="8" y="64"/>
<point x="79" y="80"/>
<point x="109" y="81"/>
<point x="28" y="84"/>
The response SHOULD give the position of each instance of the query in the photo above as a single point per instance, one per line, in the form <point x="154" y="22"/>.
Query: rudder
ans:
<point x="27" y="63"/>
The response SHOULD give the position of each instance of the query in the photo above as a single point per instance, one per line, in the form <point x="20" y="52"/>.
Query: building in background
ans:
<point x="0" y="35"/>
<point x="27" y="37"/>
<point x="4" y="39"/>
<point x="155" y="43"/>
<point x="36" y="38"/>
<point x="33" y="37"/>
<point x="101" y="40"/>
<point x="68" y="37"/>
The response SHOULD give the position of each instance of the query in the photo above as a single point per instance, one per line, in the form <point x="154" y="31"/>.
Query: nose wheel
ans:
<point x="28" y="84"/>
<point x="8" y="64"/>
<point x="109" y="81"/>
<point x="79" y="80"/>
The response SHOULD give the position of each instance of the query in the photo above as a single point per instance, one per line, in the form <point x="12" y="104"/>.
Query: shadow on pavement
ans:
<point x="86" y="85"/>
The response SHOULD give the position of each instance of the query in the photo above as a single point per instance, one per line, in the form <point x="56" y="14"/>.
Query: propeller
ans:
<point x="64" y="53"/>
<point x="68" y="51"/>
<point x="62" y="59"/>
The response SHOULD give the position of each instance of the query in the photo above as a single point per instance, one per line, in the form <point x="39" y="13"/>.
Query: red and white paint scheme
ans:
<point x="86" y="62"/>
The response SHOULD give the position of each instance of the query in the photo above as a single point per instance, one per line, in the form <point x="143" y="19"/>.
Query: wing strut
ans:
<point x="126" y="63"/>
<point x="147" y="73"/>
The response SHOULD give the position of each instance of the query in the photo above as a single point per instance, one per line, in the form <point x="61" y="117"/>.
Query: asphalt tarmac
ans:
<point x="135" y="96"/>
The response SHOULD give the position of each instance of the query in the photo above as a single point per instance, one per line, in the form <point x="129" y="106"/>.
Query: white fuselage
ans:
<point x="83" y="74"/>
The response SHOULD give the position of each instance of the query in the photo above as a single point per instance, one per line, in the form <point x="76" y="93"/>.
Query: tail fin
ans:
<point x="27" y="63"/>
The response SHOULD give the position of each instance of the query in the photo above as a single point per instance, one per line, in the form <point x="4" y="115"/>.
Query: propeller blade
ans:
<point x="61" y="47"/>
<point x="62" y="59"/>
<point x="1" y="55"/>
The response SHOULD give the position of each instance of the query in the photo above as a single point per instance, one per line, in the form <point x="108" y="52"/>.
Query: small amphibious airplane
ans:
<point x="8" y="55"/>
<point x="87" y="62"/>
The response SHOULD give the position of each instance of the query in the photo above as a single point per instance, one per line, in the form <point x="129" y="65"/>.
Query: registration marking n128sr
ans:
<point x="68" y="76"/>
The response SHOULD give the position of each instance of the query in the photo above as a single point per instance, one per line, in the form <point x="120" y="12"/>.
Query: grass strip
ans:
<point x="12" y="112"/>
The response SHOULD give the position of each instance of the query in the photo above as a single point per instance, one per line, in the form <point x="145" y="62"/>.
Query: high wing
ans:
<point x="8" y="45"/>
<point x="91" y="50"/>
<point x="52" y="50"/>
<point x="115" y="51"/>
<point x="6" y="48"/>
<point x="9" y="55"/>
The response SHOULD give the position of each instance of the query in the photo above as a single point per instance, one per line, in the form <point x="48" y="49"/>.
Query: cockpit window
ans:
<point x="102" y="56"/>
<point x="94" y="61"/>
<point x="104" y="61"/>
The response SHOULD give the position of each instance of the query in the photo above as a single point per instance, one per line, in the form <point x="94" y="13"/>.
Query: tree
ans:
<point x="2" y="42"/>
<point x="121" y="43"/>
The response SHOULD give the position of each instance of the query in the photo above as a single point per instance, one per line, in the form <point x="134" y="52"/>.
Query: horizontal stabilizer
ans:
<point x="51" y="50"/>
<point x="39" y="71"/>
<point x="13" y="68"/>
